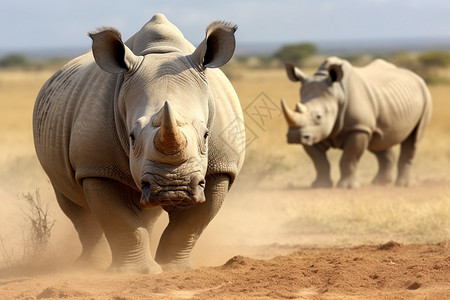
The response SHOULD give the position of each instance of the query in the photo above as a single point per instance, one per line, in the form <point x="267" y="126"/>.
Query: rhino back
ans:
<point x="385" y="101"/>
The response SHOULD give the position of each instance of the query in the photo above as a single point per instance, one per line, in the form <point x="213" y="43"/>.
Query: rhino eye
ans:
<point x="133" y="140"/>
<point x="317" y="117"/>
<point x="206" y="135"/>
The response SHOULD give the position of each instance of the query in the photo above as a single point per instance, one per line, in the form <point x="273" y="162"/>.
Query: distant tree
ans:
<point x="14" y="60"/>
<point x="435" y="58"/>
<point x="296" y="53"/>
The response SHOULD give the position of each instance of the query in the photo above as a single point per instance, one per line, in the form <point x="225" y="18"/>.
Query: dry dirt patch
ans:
<point x="387" y="271"/>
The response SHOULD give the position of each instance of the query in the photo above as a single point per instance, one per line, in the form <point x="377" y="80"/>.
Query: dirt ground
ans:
<point x="274" y="238"/>
<point x="387" y="271"/>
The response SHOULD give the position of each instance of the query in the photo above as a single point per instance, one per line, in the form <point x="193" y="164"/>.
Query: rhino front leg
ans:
<point x="149" y="217"/>
<point x="95" y="250"/>
<point x="353" y="148"/>
<point x="318" y="154"/>
<point x="386" y="163"/>
<point x="186" y="225"/>
<point x="115" y="206"/>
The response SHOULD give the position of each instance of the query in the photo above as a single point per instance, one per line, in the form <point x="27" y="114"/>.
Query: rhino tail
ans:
<point x="426" y="114"/>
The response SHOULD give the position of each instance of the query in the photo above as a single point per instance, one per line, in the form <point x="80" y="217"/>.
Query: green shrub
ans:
<point x="14" y="60"/>
<point x="296" y="53"/>
<point x="435" y="59"/>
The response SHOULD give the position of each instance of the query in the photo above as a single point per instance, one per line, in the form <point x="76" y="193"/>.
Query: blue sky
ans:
<point x="30" y="24"/>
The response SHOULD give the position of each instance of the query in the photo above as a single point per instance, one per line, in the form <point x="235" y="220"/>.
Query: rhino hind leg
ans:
<point x="386" y="164"/>
<point x="186" y="225"/>
<point x="116" y="208"/>
<point x="95" y="250"/>
<point x="407" y="153"/>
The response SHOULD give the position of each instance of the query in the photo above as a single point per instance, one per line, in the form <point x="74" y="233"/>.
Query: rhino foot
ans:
<point x="148" y="268"/>
<point x="173" y="267"/>
<point x="401" y="182"/>
<point x="348" y="183"/>
<point x="322" y="183"/>
<point x="381" y="180"/>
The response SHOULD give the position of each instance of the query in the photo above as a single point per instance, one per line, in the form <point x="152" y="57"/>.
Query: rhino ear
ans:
<point x="110" y="53"/>
<point x="218" y="46"/>
<point x="294" y="73"/>
<point x="335" y="73"/>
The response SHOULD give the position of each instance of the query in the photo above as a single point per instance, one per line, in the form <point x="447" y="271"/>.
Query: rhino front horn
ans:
<point x="289" y="115"/>
<point x="169" y="139"/>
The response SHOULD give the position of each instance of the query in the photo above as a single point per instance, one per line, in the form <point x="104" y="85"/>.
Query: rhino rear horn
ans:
<point x="289" y="115"/>
<point x="301" y="108"/>
<point x="169" y="139"/>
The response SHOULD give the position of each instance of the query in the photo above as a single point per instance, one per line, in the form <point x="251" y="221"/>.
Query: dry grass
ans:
<point x="270" y="202"/>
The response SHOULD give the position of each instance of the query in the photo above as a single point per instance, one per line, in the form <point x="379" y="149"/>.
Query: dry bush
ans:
<point x="36" y="233"/>
<point x="39" y="226"/>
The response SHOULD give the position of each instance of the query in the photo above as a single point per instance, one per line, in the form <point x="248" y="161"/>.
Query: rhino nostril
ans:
<point x="202" y="183"/>
<point x="306" y="137"/>
<point x="145" y="186"/>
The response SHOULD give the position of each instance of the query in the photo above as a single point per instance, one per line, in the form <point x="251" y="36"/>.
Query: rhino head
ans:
<point x="313" y="118"/>
<point x="164" y="109"/>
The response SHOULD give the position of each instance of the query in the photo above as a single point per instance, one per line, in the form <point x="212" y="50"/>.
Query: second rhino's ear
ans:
<point x="218" y="46"/>
<point x="294" y="73"/>
<point x="335" y="73"/>
<point x="110" y="53"/>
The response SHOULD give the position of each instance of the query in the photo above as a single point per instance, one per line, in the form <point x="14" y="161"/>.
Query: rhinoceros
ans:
<point x="128" y="130"/>
<point x="374" y="107"/>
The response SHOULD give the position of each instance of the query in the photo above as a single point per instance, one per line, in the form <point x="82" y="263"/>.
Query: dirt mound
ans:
<point x="61" y="293"/>
<point x="388" y="271"/>
<point x="238" y="262"/>
<point x="390" y="246"/>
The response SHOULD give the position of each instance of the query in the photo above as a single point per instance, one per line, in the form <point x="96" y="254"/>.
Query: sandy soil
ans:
<point x="255" y="250"/>
<point x="388" y="271"/>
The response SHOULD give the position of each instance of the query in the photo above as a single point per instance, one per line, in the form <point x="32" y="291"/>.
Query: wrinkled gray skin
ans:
<point x="375" y="107"/>
<point x="138" y="129"/>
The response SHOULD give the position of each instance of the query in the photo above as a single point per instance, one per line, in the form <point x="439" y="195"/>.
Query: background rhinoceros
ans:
<point x="147" y="133"/>
<point x="374" y="107"/>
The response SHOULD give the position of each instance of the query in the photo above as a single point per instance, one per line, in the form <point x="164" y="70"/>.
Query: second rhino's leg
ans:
<point x="318" y="154"/>
<point x="186" y="225"/>
<point x="407" y="152"/>
<point x="353" y="148"/>
<point x="386" y="163"/>
<point x="116" y="207"/>
<point x="95" y="250"/>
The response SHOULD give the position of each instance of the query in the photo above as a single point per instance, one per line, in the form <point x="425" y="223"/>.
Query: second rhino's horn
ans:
<point x="289" y="115"/>
<point x="169" y="139"/>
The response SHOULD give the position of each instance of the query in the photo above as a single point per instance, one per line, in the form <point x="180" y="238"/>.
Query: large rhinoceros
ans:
<point x="374" y="107"/>
<point x="126" y="129"/>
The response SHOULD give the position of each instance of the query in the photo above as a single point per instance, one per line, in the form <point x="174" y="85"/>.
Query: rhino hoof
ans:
<point x="382" y="181"/>
<point x="348" y="184"/>
<point x="322" y="184"/>
<point x="403" y="183"/>
<point x="173" y="267"/>
<point x="149" y="268"/>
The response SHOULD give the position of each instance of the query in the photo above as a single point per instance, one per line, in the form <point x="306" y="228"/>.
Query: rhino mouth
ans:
<point x="159" y="190"/>
<point x="298" y="137"/>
